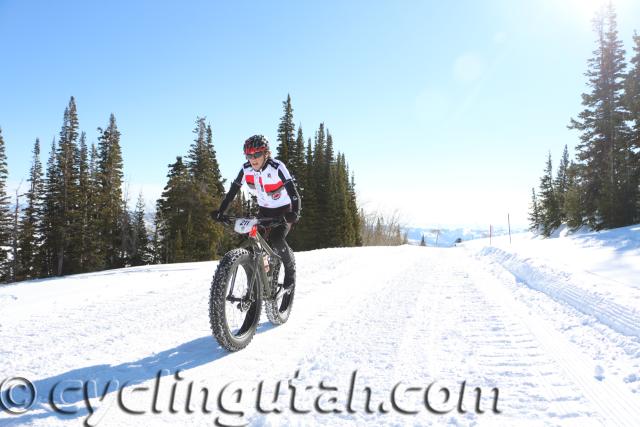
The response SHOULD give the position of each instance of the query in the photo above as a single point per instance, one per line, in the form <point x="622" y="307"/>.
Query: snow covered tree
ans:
<point x="422" y="241"/>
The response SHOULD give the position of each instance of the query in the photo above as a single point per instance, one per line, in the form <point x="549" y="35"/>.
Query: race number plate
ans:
<point x="244" y="225"/>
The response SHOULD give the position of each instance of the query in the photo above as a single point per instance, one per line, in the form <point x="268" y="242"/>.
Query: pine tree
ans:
<point x="125" y="226"/>
<point x="109" y="172"/>
<point x="50" y="229"/>
<point x="347" y="227"/>
<point x="67" y="197"/>
<point x="329" y="153"/>
<point x="140" y="240"/>
<point x="82" y="237"/>
<point x="178" y="252"/>
<point x="352" y="207"/>
<point x="573" y="202"/>
<point x="202" y="236"/>
<point x="549" y="211"/>
<point x="156" y="244"/>
<point x="305" y="230"/>
<point x="632" y="103"/>
<point x="534" y="213"/>
<point x="15" y="266"/>
<point x="423" y="242"/>
<point x="297" y="168"/>
<point x="603" y="150"/>
<point x="561" y="183"/>
<point x="202" y="162"/>
<point x="334" y="226"/>
<point x="93" y="257"/>
<point x="239" y="207"/>
<point x="331" y="227"/>
<point x="286" y="133"/>
<point x="5" y="214"/>
<point x="318" y="174"/>
<point x="31" y="223"/>
<point x="172" y="212"/>
<point x="623" y="182"/>
<point x="296" y="159"/>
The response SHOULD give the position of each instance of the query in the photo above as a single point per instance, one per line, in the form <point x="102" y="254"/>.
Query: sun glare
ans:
<point x="585" y="10"/>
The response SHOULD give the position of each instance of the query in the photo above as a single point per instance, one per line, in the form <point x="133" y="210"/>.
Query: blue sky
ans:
<point x="445" y="110"/>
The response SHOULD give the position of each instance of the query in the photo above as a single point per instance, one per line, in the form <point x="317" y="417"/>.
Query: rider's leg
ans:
<point x="281" y="247"/>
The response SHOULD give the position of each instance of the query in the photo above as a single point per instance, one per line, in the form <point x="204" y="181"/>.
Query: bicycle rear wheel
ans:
<point x="278" y="307"/>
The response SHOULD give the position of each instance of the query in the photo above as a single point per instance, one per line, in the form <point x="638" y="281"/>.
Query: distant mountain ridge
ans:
<point x="446" y="237"/>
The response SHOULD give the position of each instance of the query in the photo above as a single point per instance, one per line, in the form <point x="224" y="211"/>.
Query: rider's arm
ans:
<point x="290" y="186"/>
<point x="233" y="190"/>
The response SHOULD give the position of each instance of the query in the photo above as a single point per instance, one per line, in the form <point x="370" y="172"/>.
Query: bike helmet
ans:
<point x="255" y="144"/>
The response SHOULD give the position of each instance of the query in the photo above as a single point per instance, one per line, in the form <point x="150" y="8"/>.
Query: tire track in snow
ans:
<point x="429" y="322"/>
<point x="609" y="397"/>
<point x="478" y="344"/>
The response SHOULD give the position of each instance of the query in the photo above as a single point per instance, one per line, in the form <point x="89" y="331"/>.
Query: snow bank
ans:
<point x="563" y="286"/>
<point x="596" y="273"/>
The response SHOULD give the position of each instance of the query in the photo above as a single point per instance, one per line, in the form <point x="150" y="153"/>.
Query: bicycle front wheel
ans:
<point x="235" y="301"/>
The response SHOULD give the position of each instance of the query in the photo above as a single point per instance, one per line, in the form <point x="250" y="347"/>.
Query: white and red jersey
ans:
<point x="268" y="183"/>
<point x="272" y="185"/>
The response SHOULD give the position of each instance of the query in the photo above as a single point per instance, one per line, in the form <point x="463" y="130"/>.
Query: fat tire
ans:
<point x="271" y="306"/>
<point x="217" y="300"/>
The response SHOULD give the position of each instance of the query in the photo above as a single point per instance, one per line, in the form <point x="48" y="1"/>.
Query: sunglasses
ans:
<point x="255" y="155"/>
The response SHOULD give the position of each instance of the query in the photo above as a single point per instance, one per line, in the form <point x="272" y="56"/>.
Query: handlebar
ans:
<point x="229" y="220"/>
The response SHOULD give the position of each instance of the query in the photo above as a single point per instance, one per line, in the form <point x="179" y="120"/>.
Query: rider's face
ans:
<point x="256" y="164"/>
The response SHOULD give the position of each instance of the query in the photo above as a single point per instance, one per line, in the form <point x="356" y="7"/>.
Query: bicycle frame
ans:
<point x="258" y="246"/>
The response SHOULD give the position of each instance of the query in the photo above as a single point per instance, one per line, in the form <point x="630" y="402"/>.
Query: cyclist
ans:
<point x="269" y="180"/>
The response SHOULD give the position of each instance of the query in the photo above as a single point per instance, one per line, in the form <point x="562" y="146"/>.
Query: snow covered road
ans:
<point x="371" y="329"/>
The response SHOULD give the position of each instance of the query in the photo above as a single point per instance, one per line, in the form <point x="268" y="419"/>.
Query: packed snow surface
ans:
<point x="545" y="330"/>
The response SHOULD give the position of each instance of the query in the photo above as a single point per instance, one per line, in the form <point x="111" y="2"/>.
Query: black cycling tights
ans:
<point x="276" y="240"/>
